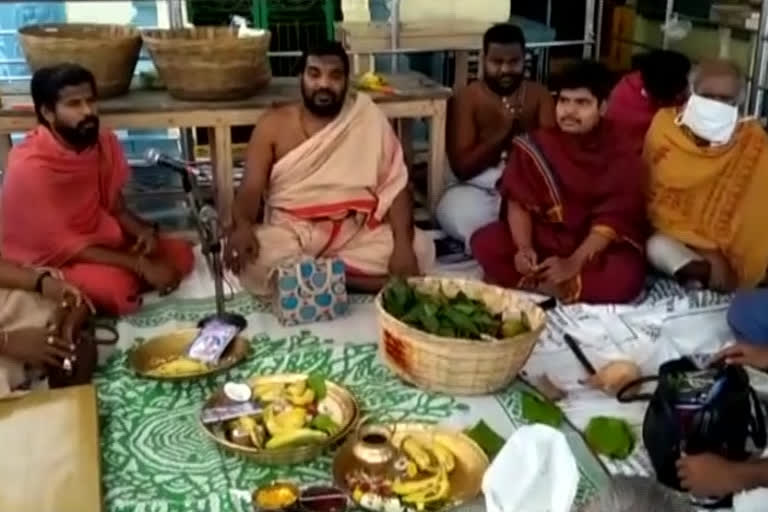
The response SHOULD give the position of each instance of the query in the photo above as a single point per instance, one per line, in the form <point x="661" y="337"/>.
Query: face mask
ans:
<point x="711" y="120"/>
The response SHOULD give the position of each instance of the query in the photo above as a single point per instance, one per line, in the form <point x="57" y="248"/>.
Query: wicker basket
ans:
<point x="210" y="63"/>
<point x="459" y="366"/>
<point x="110" y="52"/>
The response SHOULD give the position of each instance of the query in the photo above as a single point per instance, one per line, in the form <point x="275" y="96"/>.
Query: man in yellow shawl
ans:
<point x="331" y="177"/>
<point x="709" y="177"/>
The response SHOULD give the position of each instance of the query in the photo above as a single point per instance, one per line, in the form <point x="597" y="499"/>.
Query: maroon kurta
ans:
<point x="572" y="185"/>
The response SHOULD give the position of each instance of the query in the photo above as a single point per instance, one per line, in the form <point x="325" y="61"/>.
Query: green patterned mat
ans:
<point x="156" y="458"/>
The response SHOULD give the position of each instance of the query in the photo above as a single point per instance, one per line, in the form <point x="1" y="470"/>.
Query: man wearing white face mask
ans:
<point x="708" y="183"/>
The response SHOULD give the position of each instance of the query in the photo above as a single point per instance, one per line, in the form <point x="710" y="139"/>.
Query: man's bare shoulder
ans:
<point x="276" y="117"/>
<point x="470" y="93"/>
<point x="536" y="88"/>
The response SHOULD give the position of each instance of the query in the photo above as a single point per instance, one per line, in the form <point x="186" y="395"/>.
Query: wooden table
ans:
<point x="49" y="441"/>
<point x="365" y="39"/>
<point x="418" y="97"/>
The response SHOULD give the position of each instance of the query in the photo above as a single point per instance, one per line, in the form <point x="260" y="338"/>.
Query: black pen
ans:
<point x="576" y="349"/>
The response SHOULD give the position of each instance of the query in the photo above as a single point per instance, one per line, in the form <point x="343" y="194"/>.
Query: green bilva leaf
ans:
<point x="612" y="437"/>
<point x="316" y="383"/>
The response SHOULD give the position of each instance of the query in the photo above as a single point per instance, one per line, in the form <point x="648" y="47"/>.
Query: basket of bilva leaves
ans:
<point x="456" y="336"/>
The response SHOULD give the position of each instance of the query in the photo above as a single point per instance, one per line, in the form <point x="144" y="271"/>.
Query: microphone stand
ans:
<point x="206" y="222"/>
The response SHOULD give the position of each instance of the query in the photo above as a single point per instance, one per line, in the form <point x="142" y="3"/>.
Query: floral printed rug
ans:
<point x="157" y="459"/>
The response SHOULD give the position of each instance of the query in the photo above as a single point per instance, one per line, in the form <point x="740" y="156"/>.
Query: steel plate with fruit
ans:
<point x="410" y="467"/>
<point x="288" y="418"/>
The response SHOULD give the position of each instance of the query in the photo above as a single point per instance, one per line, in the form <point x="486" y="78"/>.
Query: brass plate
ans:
<point x="466" y="478"/>
<point x="340" y="405"/>
<point x="159" y="349"/>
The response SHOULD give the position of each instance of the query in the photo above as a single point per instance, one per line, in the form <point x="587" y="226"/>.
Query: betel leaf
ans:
<point x="316" y="383"/>
<point x="486" y="438"/>
<point x="462" y="321"/>
<point x="539" y="410"/>
<point x="466" y="308"/>
<point x="428" y="318"/>
<point x="398" y="296"/>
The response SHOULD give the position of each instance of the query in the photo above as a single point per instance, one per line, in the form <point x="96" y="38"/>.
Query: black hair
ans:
<point x="586" y="74"/>
<point x="503" y="33"/>
<point x="47" y="83"/>
<point x="325" y="49"/>
<point x="665" y="74"/>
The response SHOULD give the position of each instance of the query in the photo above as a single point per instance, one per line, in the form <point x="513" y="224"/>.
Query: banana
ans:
<point x="420" y="454"/>
<point x="296" y="437"/>
<point x="178" y="367"/>
<point x="413" y="487"/>
<point x="297" y="388"/>
<point x="270" y="392"/>
<point x="438" y="492"/>
<point x="304" y="398"/>
<point x="444" y="455"/>
<point x="269" y="421"/>
<point x="290" y="419"/>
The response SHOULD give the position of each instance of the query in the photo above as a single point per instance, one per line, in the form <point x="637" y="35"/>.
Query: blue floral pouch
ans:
<point x="309" y="290"/>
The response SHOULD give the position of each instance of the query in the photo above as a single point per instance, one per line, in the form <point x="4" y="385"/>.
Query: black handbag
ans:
<point x="719" y="418"/>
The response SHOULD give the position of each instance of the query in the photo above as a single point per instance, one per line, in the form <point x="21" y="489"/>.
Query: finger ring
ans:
<point x="50" y="340"/>
<point x="67" y="364"/>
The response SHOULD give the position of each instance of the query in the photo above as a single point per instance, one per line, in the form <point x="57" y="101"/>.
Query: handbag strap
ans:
<point x="622" y="397"/>
<point x="757" y="426"/>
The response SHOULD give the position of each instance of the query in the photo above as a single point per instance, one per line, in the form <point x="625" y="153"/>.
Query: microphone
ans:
<point x="209" y="217"/>
<point x="155" y="157"/>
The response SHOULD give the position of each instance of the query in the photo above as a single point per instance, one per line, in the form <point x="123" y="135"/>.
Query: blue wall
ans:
<point x="15" y="15"/>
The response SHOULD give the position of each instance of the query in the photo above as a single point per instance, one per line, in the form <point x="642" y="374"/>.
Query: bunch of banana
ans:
<point x="289" y="427"/>
<point x="435" y="460"/>
<point x="370" y="81"/>
<point x="178" y="367"/>
<point x="297" y="393"/>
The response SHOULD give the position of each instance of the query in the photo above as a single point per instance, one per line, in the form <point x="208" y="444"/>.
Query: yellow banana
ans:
<point x="269" y="392"/>
<point x="420" y="454"/>
<point x="296" y="437"/>
<point x="444" y="455"/>
<point x="438" y="492"/>
<point x="297" y="388"/>
<point x="413" y="487"/>
<point x="304" y="398"/>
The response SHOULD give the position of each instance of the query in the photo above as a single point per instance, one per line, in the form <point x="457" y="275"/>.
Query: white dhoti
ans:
<point x="668" y="255"/>
<point x="470" y="205"/>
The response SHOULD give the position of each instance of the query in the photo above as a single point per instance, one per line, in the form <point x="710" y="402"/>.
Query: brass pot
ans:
<point x="373" y="449"/>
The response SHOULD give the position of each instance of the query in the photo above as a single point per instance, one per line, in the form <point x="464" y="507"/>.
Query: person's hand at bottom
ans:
<point x="556" y="271"/>
<point x="403" y="261"/>
<point x="709" y="475"/>
<point x="526" y="261"/>
<point x="38" y="347"/>
<point x="745" y="354"/>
